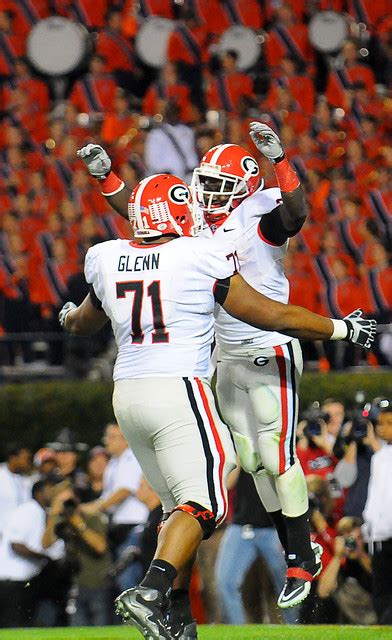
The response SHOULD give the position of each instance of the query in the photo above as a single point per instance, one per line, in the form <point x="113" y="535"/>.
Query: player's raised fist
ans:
<point x="96" y="160"/>
<point x="266" y="141"/>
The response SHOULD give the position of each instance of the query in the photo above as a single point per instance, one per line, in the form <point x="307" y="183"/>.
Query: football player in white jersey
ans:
<point x="257" y="371"/>
<point x="159" y="292"/>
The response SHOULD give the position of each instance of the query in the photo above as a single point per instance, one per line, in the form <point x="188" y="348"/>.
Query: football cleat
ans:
<point x="182" y="630"/>
<point x="299" y="580"/>
<point x="144" y="609"/>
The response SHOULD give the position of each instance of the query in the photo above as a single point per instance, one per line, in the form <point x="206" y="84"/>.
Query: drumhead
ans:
<point x="244" y="41"/>
<point x="151" y="41"/>
<point x="56" y="46"/>
<point x="327" y="31"/>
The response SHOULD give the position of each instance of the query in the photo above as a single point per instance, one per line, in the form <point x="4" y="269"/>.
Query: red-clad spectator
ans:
<point x="343" y="289"/>
<point x="96" y="91"/>
<point x="26" y="13"/>
<point x="372" y="138"/>
<point x="300" y="85"/>
<point x="370" y="235"/>
<point x="287" y="38"/>
<point x="27" y="114"/>
<point x="364" y="103"/>
<point x="300" y="281"/>
<point x="357" y="165"/>
<point x="188" y="43"/>
<point x="36" y="90"/>
<point x="228" y="87"/>
<point x="86" y="195"/>
<point x="61" y="260"/>
<point x="112" y="46"/>
<point x="168" y="87"/>
<point x="314" y="449"/>
<point x="43" y="200"/>
<point x="216" y="16"/>
<point x="331" y="248"/>
<point x="76" y="124"/>
<point x="135" y="11"/>
<point x="350" y="70"/>
<point x="318" y="189"/>
<point x="308" y="156"/>
<point x="246" y="12"/>
<point x="368" y="11"/>
<point x="378" y="280"/>
<point x="12" y="42"/>
<point x="288" y="136"/>
<point x="91" y="13"/>
<point x="119" y="122"/>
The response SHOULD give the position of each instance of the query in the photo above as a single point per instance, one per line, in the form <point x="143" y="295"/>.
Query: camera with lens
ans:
<point x="350" y="543"/>
<point x="314" y="418"/>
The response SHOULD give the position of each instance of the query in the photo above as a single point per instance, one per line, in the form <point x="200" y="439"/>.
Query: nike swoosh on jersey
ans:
<point x="226" y="230"/>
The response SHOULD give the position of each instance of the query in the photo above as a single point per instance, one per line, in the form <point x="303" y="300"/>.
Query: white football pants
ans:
<point x="258" y="398"/>
<point x="183" y="447"/>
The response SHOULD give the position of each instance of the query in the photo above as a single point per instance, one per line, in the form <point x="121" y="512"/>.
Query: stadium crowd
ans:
<point x="78" y="526"/>
<point x="333" y="114"/>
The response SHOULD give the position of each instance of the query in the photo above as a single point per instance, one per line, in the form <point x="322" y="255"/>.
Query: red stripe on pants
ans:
<point x="280" y="359"/>
<point x="217" y="442"/>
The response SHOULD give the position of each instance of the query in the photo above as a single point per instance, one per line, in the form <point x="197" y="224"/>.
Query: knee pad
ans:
<point x="265" y="485"/>
<point x="266" y="405"/>
<point x="250" y="459"/>
<point x="205" y="517"/>
<point x="292" y="491"/>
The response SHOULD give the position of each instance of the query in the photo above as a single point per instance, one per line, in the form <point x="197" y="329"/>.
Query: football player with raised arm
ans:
<point x="159" y="291"/>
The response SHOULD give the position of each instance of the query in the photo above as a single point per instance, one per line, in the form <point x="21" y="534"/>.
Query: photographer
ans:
<point x="314" y="446"/>
<point x="355" y="447"/>
<point x="378" y="516"/>
<point x="23" y="558"/>
<point x="85" y="537"/>
<point x="347" y="578"/>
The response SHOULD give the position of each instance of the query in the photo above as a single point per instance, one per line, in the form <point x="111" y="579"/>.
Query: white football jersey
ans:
<point x="261" y="266"/>
<point x="160" y="300"/>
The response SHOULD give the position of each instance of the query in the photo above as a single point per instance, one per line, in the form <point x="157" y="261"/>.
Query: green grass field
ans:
<point x="215" y="632"/>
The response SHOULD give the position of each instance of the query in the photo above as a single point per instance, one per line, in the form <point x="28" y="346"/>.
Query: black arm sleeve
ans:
<point x="221" y="290"/>
<point x="286" y="220"/>
<point x="97" y="304"/>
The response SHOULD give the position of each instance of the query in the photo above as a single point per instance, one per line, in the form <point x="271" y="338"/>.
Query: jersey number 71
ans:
<point x="159" y="334"/>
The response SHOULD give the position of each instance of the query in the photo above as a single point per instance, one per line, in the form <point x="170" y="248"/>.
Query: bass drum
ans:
<point x="327" y="31"/>
<point x="57" y="46"/>
<point x="245" y="42"/>
<point x="151" y="41"/>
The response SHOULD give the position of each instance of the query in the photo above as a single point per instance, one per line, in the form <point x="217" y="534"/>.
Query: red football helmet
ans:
<point x="227" y="174"/>
<point x="160" y="205"/>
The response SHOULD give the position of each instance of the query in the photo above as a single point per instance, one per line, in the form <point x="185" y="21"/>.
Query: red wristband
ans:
<point x="111" y="184"/>
<point x="287" y="178"/>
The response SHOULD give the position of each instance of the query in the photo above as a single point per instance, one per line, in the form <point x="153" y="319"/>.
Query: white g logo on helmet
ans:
<point x="179" y="194"/>
<point x="250" y="166"/>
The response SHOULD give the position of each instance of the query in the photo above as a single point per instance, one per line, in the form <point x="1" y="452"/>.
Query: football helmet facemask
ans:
<point x="226" y="175"/>
<point x="161" y="205"/>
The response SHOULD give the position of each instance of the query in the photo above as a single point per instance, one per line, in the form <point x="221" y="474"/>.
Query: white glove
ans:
<point x="96" y="160"/>
<point x="266" y="141"/>
<point x="64" y="312"/>
<point x="360" y="330"/>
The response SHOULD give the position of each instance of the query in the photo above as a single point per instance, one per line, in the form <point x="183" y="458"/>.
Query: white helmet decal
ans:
<point x="250" y="166"/>
<point x="179" y="194"/>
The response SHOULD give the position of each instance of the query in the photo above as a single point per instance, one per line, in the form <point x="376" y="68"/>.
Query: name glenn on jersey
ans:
<point x="140" y="263"/>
